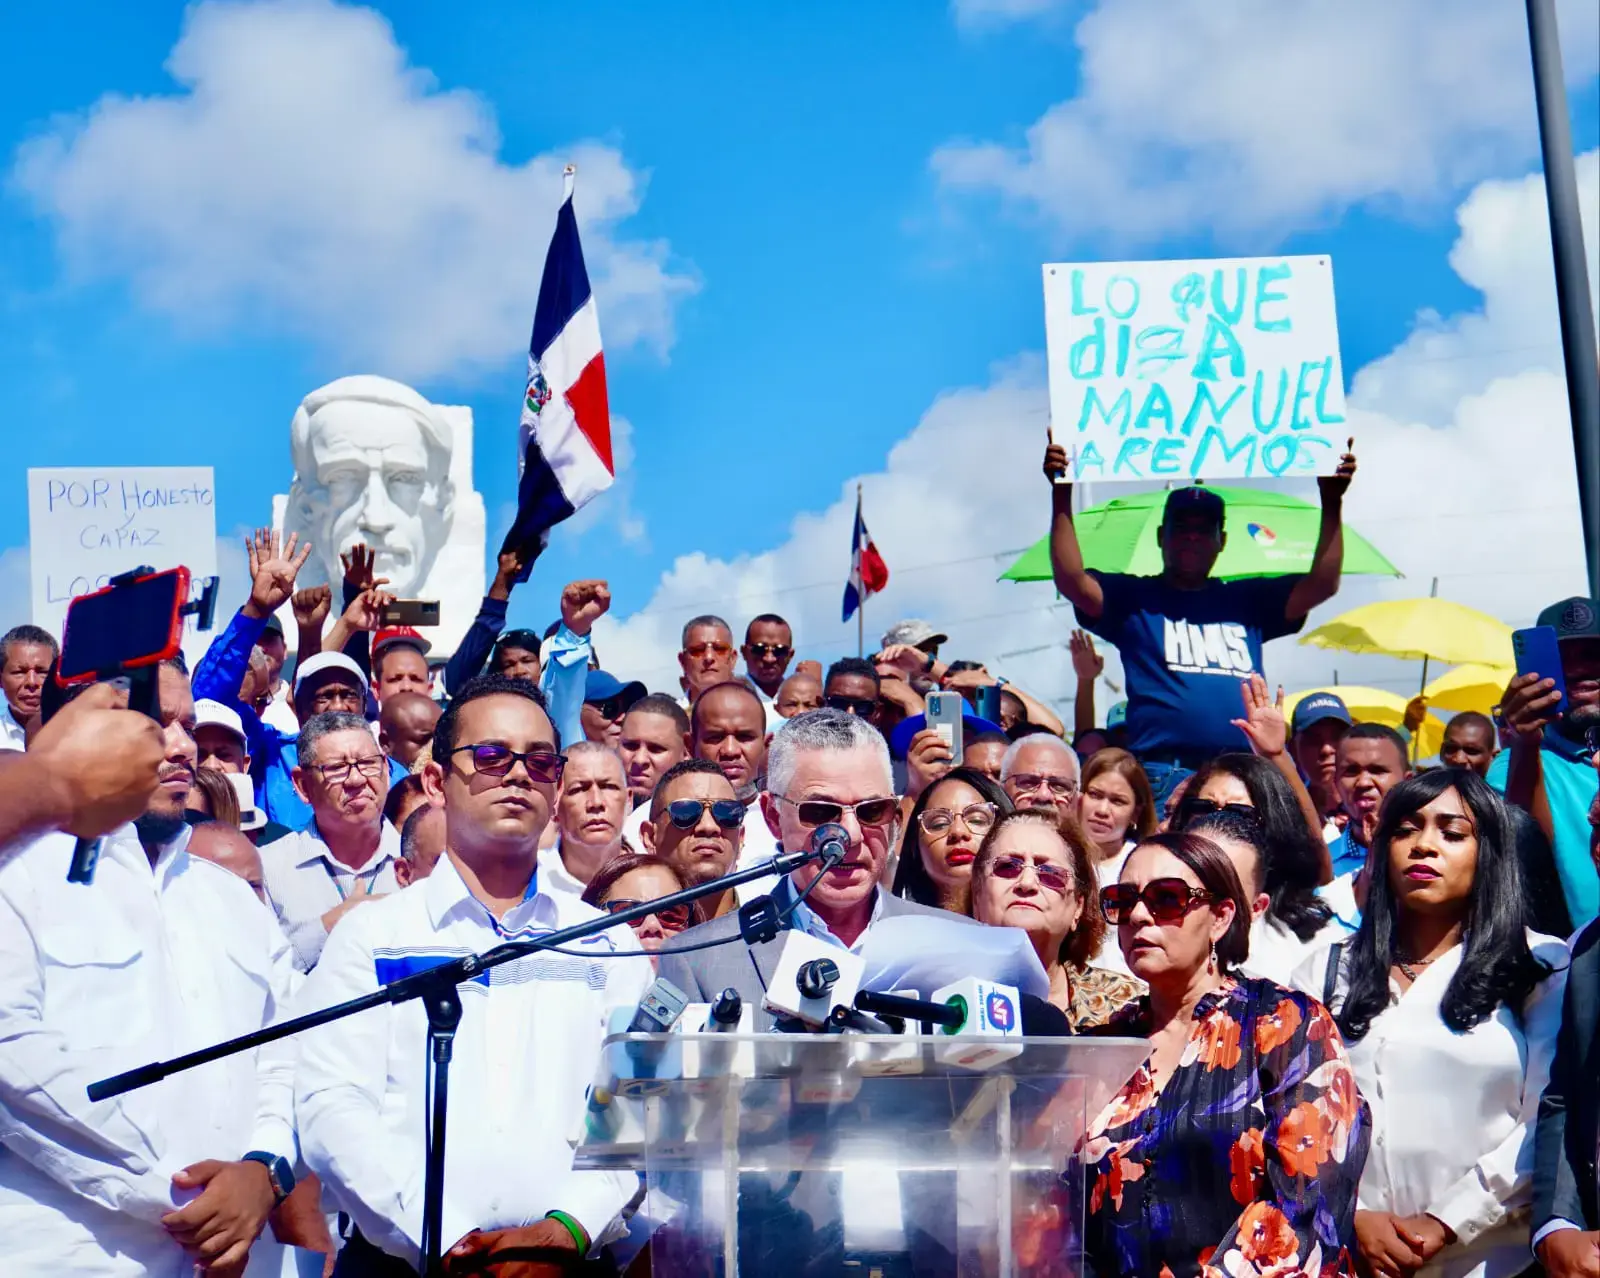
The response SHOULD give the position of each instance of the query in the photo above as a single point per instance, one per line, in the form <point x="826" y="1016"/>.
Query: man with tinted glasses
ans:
<point x="1041" y="771"/>
<point x="826" y="766"/>
<point x="707" y="656"/>
<point x="530" y="1031"/>
<point x="606" y="699"/>
<point x="768" y="649"/>
<point x="852" y="687"/>
<point x="345" y="857"/>
<point x="696" y="825"/>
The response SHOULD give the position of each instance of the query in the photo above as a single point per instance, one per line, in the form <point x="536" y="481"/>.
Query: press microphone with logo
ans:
<point x="810" y="978"/>
<point x="831" y="842"/>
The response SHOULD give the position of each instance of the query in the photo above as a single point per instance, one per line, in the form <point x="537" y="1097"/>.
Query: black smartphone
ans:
<point x="133" y="622"/>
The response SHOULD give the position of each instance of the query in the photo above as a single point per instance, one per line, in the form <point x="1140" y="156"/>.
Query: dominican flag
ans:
<point x="566" y="423"/>
<point x="868" y="573"/>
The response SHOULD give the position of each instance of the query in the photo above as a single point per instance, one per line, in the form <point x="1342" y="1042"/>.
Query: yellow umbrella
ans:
<point x="1418" y="630"/>
<point x="1374" y="705"/>
<point x="1469" y="687"/>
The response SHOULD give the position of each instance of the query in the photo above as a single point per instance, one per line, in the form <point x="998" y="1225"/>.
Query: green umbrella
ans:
<point x="1269" y="534"/>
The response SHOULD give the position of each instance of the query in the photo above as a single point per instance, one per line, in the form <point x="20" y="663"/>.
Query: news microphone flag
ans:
<point x="565" y="437"/>
<point x="868" y="573"/>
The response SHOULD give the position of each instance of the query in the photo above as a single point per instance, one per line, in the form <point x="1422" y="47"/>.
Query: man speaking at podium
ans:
<point x="822" y="767"/>
<point x="530" y="1030"/>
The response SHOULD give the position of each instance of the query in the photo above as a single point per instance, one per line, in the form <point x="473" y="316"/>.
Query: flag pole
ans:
<point x="861" y="607"/>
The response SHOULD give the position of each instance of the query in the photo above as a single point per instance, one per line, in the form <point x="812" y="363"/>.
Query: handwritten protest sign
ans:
<point x="87" y="524"/>
<point x="1227" y="368"/>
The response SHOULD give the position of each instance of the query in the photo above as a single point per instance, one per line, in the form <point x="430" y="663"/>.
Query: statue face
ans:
<point x="374" y="482"/>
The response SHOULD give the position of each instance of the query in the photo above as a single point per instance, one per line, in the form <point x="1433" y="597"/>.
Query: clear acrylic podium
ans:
<point x="847" y="1154"/>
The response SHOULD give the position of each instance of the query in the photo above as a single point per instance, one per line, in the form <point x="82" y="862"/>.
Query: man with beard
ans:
<point x="768" y="649"/>
<point x="162" y="954"/>
<point x="696" y="826"/>
<point x="1546" y="770"/>
<point x="655" y="735"/>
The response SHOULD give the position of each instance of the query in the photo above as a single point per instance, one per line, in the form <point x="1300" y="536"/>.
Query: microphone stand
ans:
<point x="436" y="987"/>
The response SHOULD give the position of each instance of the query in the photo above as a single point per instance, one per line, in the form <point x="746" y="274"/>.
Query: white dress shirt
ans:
<point x="525" y="1054"/>
<point x="1453" y="1113"/>
<point x="304" y="882"/>
<point x="555" y="878"/>
<point x="13" y="736"/>
<point x="138" y="966"/>
<point x="1276" y="952"/>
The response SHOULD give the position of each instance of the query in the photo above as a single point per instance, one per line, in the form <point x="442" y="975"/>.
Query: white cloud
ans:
<point x="1465" y="475"/>
<point x="1259" y="117"/>
<point x="307" y="175"/>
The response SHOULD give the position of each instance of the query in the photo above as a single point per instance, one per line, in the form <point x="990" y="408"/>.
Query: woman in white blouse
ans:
<point x="1450" y="1008"/>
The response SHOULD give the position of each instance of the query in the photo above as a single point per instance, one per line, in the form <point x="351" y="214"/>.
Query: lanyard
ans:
<point x="372" y="879"/>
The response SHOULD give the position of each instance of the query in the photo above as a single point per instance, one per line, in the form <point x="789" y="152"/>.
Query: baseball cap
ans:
<point x="273" y="626"/>
<point x="1194" y="501"/>
<point x="1316" y="708"/>
<point x="1575" y="618"/>
<point x="391" y="635"/>
<point x="321" y="661"/>
<point x="213" y="714"/>
<point x="251" y="818"/>
<point x="1117" y="715"/>
<point x="600" y="686"/>
<point x="913" y="631"/>
<point x="527" y="640"/>
<point x="900" y="738"/>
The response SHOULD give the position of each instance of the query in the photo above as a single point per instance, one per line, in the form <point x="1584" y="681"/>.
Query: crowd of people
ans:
<point x="1370" y="989"/>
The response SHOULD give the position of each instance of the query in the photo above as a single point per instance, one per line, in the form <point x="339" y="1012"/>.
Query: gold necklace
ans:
<point x="1410" y="968"/>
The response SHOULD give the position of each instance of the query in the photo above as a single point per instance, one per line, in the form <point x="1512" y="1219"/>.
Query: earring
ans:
<point x="1212" y="965"/>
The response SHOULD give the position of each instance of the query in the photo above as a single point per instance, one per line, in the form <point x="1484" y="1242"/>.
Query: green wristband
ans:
<point x="572" y="1227"/>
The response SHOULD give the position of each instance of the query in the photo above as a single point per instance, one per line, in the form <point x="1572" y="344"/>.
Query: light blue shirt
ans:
<point x="1570" y="786"/>
<point x="805" y="919"/>
<point x="564" y="672"/>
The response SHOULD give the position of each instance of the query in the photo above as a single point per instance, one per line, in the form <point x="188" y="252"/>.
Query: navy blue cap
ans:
<point x="1575" y="618"/>
<point x="1205" y="502"/>
<point x="1316" y="708"/>
<point x="600" y="686"/>
<point x="971" y="726"/>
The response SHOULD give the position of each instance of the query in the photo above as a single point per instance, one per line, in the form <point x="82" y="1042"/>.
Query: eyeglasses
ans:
<point x="825" y="812"/>
<point x="977" y="817"/>
<point x="765" y="650"/>
<point x="612" y="707"/>
<point x="494" y="760"/>
<point x="1027" y="783"/>
<point x="686" y="813"/>
<point x="1208" y="807"/>
<point x="674" y="918"/>
<point x="698" y="650"/>
<point x="1052" y="878"/>
<point x="861" y="707"/>
<point x="1168" y="900"/>
<point x="336" y="773"/>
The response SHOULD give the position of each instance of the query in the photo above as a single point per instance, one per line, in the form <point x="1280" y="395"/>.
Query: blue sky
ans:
<point x="821" y="221"/>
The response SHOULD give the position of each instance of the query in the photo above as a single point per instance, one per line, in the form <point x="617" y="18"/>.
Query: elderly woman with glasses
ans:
<point x="633" y="878"/>
<point x="1033" y="872"/>
<point x="1238" y="1146"/>
<point x="948" y="821"/>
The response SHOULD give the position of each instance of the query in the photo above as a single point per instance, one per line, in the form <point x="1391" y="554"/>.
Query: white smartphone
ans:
<point x="944" y="710"/>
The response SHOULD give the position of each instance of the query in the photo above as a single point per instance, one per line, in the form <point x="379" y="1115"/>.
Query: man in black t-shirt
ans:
<point x="1188" y="640"/>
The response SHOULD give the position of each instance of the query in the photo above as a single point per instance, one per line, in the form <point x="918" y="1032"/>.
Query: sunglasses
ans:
<point x="977" y="817"/>
<point x="497" y="760"/>
<point x="674" y="918"/>
<point x="824" y="812"/>
<point x="686" y="813"/>
<point x="1168" y="900"/>
<point x="1209" y="807"/>
<point x="701" y="649"/>
<point x="612" y="707"/>
<point x="765" y="650"/>
<point x="861" y="707"/>
<point x="1052" y="878"/>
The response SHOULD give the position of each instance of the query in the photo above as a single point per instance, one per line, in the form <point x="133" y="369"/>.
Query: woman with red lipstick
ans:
<point x="1034" y="872"/>
<point x="1451" y="1008"/>
<point x="947" y="823"/>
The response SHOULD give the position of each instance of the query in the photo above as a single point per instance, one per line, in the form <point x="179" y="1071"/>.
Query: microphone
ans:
<point x="831" y="842"/>
<point x="810" y="978"/>
<point x="632" y="1069"/>
<point x="899" y="1007"/>
<point x="990" y="1028"/>
<point x="816" y="977"/>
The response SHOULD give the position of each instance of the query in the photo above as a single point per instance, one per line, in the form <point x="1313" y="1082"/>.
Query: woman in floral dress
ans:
<point x="1236" y="1149"/>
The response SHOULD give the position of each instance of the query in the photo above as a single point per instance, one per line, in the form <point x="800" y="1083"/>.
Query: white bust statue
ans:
<point x="376" y="463"/>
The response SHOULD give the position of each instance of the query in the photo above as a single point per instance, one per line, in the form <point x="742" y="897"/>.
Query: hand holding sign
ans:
<point x="1055" y="459"/>
<point x="1335" y="486"/>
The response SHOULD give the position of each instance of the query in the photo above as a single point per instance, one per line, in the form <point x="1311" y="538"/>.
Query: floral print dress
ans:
<point x="1246" y="1163"/>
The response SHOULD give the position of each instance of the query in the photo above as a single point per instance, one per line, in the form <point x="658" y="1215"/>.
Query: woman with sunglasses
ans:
<point x="1451" y="1007"/>
<point x="948" y="821"/>
<point x="1115" y="808"/>
<point x="1237" y="1146"/>
<point x="629" y="879"/>
<point x="1033" y="872"/>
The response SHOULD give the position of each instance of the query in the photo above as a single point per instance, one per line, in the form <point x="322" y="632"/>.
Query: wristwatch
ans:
<point x="278" y="1172"/>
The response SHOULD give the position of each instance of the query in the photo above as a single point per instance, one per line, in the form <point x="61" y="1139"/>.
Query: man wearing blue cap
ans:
<point x="1188" y="640"/>
<point x="1319" y="724"/>
<point x="1547" y="770"/>
<point x="606" y="702"/>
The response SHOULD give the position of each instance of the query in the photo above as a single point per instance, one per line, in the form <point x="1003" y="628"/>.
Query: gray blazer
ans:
<point x="704" y="974"/>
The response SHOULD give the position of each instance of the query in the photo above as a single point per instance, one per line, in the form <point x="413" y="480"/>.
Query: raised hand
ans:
<point x="1055" y="458"/>
<point x="357" y="563"/>
<point x="311" y="606"/>
<point x="904" y="658"/>
<point x="927" y="759"/>
<point x="366" y="609"/>
<point x="583" y="603"/>
<point x="272" y="571"/>
<point x="506" y="574"/>
<point x="1264" y="723"/>
<point x="1338" y="483"/>
<point x="1529" y="705"/>
<point x="1087" y="664"/>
